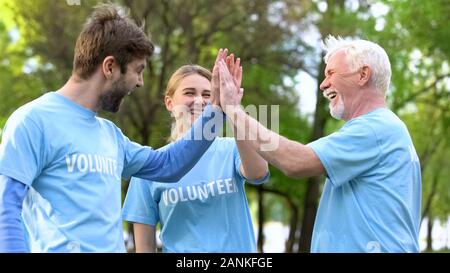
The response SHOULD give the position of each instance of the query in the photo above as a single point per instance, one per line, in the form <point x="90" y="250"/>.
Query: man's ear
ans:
<point x="108" y="66"/>
<point x="168" y="102"/>
<point x="364" y="75"/>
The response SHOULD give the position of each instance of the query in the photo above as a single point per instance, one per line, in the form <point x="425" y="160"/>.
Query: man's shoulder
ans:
<point x="384" y="125"/>
<point x="380" y="116"/>
<point x="112" y="127"/>
<point x="106" y="122"/>
<point x="379" y="119"/>
<point x="33" y="110"/>
<point x="384" y="120"/>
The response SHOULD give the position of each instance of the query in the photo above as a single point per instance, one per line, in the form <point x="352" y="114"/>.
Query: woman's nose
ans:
<point x="198" y="100"/>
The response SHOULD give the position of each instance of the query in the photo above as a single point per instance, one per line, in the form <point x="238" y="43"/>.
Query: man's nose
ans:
<point x="140" y="82"/>
<point x="324" y="85"/>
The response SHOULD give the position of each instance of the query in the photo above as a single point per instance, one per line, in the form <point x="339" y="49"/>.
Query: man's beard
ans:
<point x="111" y="100"/>
<point x="338" y="110"/>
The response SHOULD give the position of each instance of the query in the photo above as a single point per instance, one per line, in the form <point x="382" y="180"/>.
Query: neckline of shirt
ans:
<point x="85" y="112"/>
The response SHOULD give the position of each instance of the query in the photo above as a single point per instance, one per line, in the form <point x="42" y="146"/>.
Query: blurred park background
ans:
<point x="279" y="44"/>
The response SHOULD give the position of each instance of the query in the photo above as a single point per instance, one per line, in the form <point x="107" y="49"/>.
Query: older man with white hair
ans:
<point x="372" y="194"/>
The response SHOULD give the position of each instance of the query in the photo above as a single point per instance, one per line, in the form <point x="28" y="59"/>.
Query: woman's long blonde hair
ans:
<point x="174" y="82"/>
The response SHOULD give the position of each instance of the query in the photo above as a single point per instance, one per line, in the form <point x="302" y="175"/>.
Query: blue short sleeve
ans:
<point x="22" y="149"/>
<point x="348" y="153"/>
<point x="140" y="206"/>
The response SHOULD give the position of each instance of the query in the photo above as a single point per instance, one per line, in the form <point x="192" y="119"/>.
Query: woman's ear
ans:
<point x="169" y="103"/>
<point x="364" y="76"/>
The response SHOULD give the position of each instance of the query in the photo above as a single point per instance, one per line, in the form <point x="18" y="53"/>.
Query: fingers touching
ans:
<point x="227" y="78"/>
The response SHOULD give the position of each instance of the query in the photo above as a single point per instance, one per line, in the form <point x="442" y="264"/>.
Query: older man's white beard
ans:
<point x="337" y="111"/>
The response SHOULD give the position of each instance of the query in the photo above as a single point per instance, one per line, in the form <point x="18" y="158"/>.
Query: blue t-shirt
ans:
<point x="372" y="195"/>
<point x="73" y="162"/>
<point x="206" y="211"/>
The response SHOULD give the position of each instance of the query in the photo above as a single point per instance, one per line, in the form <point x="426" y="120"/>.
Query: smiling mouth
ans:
<point x="196" y="112"/>
<point x="330" y="94"/>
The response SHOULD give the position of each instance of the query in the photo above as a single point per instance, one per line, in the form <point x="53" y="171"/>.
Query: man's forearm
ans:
<point x="261" y="139"/>
<point x="293" y="158"/>
<point x="171" y="164"/>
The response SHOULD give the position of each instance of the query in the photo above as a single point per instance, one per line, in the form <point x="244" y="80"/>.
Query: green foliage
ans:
<point x="416" y="37"/>
<point x="17" y="86"/>
<point x="270" y="37"/>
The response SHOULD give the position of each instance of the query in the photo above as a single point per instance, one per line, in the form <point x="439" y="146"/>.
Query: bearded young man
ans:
<point x="61" y="165"/>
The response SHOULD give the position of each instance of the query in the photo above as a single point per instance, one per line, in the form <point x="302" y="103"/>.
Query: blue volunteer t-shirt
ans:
<point x="73" y="162"/>
<point x="372" y="195"/>
<point x="206" y="211"/>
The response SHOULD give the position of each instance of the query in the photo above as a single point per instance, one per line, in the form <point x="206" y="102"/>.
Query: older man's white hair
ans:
<point x="360" y="53"/>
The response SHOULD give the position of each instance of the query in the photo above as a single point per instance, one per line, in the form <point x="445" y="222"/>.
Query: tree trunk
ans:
<point x="293" y="208"/>
<point x="320" y="117"/>
<point x="429" y="199"/>
<point x="429" y="234"/>
<point x="289" y="246"/>
<point x="312" y="192"/>
<point x="309" y="216"/>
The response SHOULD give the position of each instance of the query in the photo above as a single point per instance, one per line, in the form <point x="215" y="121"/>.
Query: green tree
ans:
<point x="184" y="32"/>
<point x="416" y="36"/>
<point x="271" y="39"/>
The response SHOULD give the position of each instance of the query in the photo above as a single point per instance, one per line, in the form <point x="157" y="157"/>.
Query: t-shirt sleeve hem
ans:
<point x="138" y="219"/>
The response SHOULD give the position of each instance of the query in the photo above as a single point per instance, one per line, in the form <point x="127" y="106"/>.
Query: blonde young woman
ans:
<point x="207" y="210"/>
